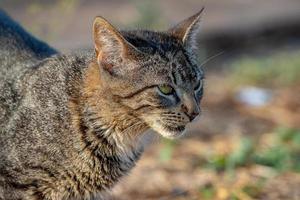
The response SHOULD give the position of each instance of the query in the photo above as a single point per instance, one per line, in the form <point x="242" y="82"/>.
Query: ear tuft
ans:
<point x="103" y="32"/>
<point x="108" y="42"/>
<point x="110" y="46"/>
<point x="187" y="30"/>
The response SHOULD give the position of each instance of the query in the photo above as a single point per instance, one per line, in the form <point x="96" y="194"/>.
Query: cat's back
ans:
<point x="18" y="47"/>
<point x="19" y="51"/>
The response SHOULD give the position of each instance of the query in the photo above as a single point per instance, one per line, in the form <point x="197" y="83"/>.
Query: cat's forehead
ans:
<point x="151" y="42"/>
<point x="182" y="70"/>
<point x="173" y="68"/>
<point x="167" y="60"/>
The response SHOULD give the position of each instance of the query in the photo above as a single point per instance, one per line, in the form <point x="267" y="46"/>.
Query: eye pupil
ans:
<point x="166" y="89"/>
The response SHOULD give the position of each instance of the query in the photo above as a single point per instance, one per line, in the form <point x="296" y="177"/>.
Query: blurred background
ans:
<point x="246" y="144"/>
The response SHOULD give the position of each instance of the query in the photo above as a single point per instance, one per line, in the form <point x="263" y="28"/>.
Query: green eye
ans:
<point x="166" y="89"/>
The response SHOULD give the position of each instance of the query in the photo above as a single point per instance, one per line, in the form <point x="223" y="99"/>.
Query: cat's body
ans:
<point x="39" y="103"/>
<point x="68" y="129"/>
<point x="65" y="153"/>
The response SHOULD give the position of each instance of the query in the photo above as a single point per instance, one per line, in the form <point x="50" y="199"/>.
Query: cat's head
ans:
<point x="152" y="75"/>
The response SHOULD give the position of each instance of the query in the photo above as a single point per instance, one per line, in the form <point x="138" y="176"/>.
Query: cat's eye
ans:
<point x="199" y="85"/>
<point x="166" y="89"/>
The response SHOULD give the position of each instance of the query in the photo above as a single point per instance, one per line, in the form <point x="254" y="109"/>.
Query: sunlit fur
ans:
<point x="72" y="125"/>
<point x="166" y="62"/>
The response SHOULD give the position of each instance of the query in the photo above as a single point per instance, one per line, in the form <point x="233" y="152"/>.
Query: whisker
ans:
<point x="172" y="118"/>
<point x="212" y="57"/>
<point x="171" y="114"/>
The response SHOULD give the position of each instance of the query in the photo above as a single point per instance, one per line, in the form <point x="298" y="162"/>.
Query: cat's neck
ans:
<point x="105" y="118"/>
<point x="109" y="140"/>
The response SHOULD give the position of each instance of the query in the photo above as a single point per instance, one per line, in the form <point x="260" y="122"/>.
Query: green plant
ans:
<point x="166" y="152"/>
<point x="236" y="158"/>
<point x="277" y="157"/>
<point x="252" y="190"/>
<point x="279" y="69"/>
<point x="217" y="162"/>
<point x="282" y="155"/>
<point x="207" y="191"/>
<point x="241" y="155"/>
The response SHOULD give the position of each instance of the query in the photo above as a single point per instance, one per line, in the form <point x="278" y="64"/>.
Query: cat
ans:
<point x="72" y="125"/>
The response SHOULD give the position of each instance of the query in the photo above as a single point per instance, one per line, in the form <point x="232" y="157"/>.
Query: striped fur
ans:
<point x="72" y="125"/>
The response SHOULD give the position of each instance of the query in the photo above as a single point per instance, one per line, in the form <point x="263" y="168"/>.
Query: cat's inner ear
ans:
<point x="187" y="30"/>
<point x="110" y="46"/>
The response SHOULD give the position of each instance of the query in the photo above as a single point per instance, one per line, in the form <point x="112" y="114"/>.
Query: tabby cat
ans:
<point x="72" y="125"/>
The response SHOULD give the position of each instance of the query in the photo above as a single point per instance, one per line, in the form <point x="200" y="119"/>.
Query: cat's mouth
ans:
<point x="167" y="127"/>
<point x="174" y="132"/>
<point x="175" y="129"/>
<point x="168" y="131"/>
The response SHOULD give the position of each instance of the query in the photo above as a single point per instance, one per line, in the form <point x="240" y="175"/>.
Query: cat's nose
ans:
<point x="192" y="113"/>
<point x="190" y="108"/>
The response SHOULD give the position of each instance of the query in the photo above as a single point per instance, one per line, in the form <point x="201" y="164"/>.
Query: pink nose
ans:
<point x="192" y="112"/>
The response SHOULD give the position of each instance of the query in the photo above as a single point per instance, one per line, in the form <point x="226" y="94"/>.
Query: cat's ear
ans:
<point x="187" y="30"/>
<point x="110" y="46"/>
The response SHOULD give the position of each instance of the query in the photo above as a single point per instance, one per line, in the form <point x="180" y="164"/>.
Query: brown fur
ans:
<point x="71" y="126"/>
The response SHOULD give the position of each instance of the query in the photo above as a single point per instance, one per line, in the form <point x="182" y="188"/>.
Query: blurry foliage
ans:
<point x="239" y="157"/>
<point x="252" y="190"/>
<point x="276" y="157"/>
<point x="208" y="191"/>
<point x="269" y="155"/>
<point x="149" y="15"/>
<point x="246" y="192"/>
<point x="53" y="11"/>
<point x="282" y="155"/>
<point x="279" y="69"/>
<point x="167" y="150"/>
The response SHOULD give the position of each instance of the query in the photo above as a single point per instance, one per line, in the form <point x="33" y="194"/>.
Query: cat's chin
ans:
<point x="169" y="132"/>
